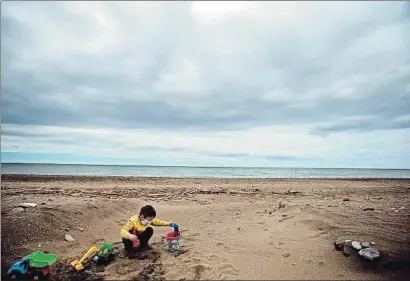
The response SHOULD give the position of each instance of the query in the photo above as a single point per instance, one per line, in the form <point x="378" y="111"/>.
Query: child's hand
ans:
<point x="132" y="237"/>
<point x="174" y="225"/>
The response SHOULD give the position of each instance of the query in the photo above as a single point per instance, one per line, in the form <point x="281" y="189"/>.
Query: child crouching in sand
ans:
<point x="142" y="224"/>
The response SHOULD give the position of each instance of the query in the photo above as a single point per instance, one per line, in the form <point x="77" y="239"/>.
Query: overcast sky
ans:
<point x="321" y="84"/>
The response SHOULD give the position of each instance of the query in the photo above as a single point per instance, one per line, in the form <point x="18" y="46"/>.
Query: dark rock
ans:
<point x="346" y="199"/>
<point x="347" y="251"/>
<point x="339" y="245"/>
<point x="270" y="213"/>
<point x="368" y="209"/>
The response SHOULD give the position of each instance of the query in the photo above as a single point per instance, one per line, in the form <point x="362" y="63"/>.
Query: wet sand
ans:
<point x="232" y="228"/>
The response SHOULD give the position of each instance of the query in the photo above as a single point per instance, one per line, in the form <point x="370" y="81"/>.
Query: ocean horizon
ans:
<point x="198" y="172"/>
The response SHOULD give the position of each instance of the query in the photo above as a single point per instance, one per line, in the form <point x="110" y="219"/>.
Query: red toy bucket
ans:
<point x="173" y="241"/>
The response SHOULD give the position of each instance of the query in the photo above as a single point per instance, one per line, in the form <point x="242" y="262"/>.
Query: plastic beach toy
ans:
<point x="40" y="260"/>
<point x="34" y="266"/>
<point x="174" y="239"/>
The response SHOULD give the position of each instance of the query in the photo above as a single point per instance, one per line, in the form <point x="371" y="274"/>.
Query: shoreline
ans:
<point x="203" y="167"/>
<point x="120" y="177"/>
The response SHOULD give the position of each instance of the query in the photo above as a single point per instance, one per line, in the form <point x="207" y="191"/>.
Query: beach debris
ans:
<point x="373" y="243"/>
<point x="402" y="208"/>
<point x="356" y="245"/>
<point x="270" y="213"/>
<point x="348" y="240"/>
<point x="369" y="253"/>
<point x="321" y="263"/>
<point x="81" y="229"/>
<point x="286" y="255"/>
<point x="205" y="202"/>
<point x="339" y="245"/>
<point x="396" y="211"/>
<point x="291" y="192"/>
<point x="237" y="220"/>
<point x="239" y="228"/>
<point x="281" y="205"/>
<point x="28" y="205"/>
<point x="17" y="210"/>
<point x="281" y="220"/>
<point x="368" y="209"/>
<point x="284" y="215"/>
<point x="346" y="199"/>
<point x="69" y="238"/>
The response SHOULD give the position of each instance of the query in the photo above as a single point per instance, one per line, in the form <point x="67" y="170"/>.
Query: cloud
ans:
<point x="206" y="70"/>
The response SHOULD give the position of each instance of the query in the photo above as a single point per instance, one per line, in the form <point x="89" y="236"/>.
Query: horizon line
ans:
<point x="187" y="166"/>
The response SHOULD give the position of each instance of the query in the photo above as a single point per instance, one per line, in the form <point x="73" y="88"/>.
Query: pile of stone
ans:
<point x="366" y="250"/>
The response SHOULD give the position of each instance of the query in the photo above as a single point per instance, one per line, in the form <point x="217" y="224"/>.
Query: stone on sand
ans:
<point x="28" y="205"/>
<point x="69" y="238"/>
<point x="286" y="255"/>
<point x="365" y="244"/>
<point x="339" y="245"/>
<point x="348" y="251"/>
<point x="17" y="210"/>
<point x="356" y="245"/>
<point x="346" y="199"/>
<point x="368" y="209"/>
<point x="369" y="253"/>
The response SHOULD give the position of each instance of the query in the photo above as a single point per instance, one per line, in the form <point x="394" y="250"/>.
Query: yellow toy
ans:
<point x="78" y="265"/>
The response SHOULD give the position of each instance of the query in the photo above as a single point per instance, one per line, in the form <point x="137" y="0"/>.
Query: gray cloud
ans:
<point x="162" y="69"/>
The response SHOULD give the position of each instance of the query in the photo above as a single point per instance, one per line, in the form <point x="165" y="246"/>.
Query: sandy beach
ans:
<point x="232" y="228"/>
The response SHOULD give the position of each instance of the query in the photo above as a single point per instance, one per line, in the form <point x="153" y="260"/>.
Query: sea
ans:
<point x="199" y="172"/>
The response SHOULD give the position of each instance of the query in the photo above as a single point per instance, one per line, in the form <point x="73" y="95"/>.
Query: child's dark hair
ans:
<point x="148" y="211"/>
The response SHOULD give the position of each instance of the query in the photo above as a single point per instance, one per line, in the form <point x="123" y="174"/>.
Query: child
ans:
<point x="141" y="224"/>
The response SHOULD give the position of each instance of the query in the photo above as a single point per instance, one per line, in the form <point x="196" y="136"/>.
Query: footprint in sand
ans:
<point x="217" y="258"/>
<point x="198" y="270"/>
<point x="229" y="269"/>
